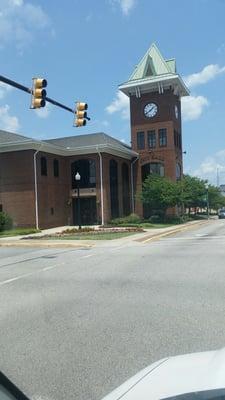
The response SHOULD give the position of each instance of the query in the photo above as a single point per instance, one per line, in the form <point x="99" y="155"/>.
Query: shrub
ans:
<point x="132" y="219"/>
<point x="5" y="221"/>
<point x="155" y="219"/>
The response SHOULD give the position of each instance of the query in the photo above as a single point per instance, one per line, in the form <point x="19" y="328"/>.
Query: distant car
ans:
<point x="192" y="376"/>
<point x="221" y="213"/>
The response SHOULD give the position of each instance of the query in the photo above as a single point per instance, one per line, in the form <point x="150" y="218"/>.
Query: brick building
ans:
<point x="37" y="184"/>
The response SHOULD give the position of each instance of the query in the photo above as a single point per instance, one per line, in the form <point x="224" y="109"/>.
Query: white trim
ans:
<point x="52" y="149"/>
<point x="101" y="185"/>
<point x="151" y="84"/>
<point x="36" y="189"/>
<point x="132" y="182"/>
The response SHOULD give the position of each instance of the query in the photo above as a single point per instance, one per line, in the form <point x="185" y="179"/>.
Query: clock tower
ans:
<point x="155" y="90"/>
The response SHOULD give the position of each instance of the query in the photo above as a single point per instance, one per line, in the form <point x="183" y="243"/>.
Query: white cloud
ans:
<point x="125" y="5"/>
<point x="19" y="20"/>
<point x="211" y="167"/>
<point x="205" y="75"/>
<point x="105" y="123"/>
<point x="119" y="104"/>
<point x="7" y="121"/>
<point x="44" y="112"/>
<point x="221" y="48"/>
<point x="4" y="89"/>
<point x="193" y="106"/>
<point x="88" y="17"/>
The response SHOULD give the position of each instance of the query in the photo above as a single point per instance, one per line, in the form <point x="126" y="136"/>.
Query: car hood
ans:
<point x="174" y="376"/>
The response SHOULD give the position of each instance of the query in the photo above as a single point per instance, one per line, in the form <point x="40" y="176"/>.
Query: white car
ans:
<point x="191" y="376"/>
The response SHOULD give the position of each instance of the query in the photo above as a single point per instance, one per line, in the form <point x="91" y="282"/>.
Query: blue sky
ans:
<point x="86" y="49"/>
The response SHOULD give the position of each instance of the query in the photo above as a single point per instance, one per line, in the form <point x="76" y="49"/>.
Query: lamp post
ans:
<point x="77" y="179"/>
<point x="207" y="198"/>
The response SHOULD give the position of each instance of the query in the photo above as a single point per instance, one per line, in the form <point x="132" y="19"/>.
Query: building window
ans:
<point x="179" y="141"/>
<point x="152" y="168"/>
<point x="175" y="136"/>
<point x="87" y="171"/>
<point x="52" y="211"/>
<point x="113" y="179"/>
<point x="44" y="166"/>
<point x="140" y="140"/>
<point x="1" y="208"/>
<point x="56" y="168"/>
<point x="125" y="189"/>
<point x="178" y="171"/>
<point x="151" y="139"/>
<point x="162" y="137"/>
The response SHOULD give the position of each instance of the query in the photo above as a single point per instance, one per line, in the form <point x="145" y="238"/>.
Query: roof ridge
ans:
<point x="72" y="136"/>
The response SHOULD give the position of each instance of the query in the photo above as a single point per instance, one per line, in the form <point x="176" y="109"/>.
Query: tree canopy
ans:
<point x="160" y="193"/>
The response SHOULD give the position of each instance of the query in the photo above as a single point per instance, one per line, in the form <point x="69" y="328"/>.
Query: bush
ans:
<point x="199" y="216"/>
<point x="132" y="219"/>
<point x="173" y="219"/>
<point x="5" y="221"/>
<point x="155" y="219"/>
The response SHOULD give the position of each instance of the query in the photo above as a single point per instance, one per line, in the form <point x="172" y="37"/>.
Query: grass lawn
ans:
<point x="18" y="231"/>
<point x="92" y="236"/>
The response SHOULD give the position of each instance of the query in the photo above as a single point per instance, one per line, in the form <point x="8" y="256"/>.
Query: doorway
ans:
<point x="88" y="211"/>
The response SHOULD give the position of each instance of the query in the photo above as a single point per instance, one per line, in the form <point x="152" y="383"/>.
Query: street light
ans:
<point x="77" y="179"/>
<point x="207" y="198"/>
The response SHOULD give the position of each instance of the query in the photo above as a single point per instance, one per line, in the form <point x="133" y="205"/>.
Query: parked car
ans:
<point x="221" y="213"/>
<point x="191" y="376"/>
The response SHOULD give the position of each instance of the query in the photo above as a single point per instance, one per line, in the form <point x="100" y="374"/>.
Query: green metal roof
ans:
<point x="153" y="64"/>
<point x="172" y="65"/>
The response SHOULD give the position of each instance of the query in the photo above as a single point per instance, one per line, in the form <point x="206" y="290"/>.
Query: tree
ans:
<point x="216" y="199"/>
<point x="160" y="193"/>
<point x="192" y="192"/>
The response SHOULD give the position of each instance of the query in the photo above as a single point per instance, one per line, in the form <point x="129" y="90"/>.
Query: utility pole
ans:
<point x="217" y="177"/>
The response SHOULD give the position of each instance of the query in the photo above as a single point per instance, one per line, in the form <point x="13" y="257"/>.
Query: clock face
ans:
<point x="176" y="111"/>
<point x="150" y="110"/>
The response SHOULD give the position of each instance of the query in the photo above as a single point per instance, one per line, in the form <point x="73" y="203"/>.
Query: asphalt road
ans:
<point x="76" y="323"/>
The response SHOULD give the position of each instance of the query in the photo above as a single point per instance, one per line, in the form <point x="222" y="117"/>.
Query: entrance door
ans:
<point x="88" y="211"/>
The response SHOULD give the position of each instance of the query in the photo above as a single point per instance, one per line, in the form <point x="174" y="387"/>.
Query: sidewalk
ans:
<point x="147" y="236"/>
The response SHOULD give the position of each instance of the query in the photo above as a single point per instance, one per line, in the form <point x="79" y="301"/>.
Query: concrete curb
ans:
<point x="146" y="237"/>
<point x="172" y="231"/>
<point x="45" y="243"/>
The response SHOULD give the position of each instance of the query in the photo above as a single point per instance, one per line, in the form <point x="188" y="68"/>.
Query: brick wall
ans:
<point x="165" y="118"/>
<point x="53" y="192"/>
<point x="17" y="187"/>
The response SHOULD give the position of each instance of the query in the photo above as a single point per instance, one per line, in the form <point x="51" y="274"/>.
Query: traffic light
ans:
<point x="38" y="94"/>
<point x="80" y="114"/>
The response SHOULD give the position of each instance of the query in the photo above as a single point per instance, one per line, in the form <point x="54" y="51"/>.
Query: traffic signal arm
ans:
<point x="39" y="98"/>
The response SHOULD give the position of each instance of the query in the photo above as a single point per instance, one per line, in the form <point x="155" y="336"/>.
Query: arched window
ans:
<point x="152" y="168"/>
<point x="87" y="171"/>
<point x="126" y="189"/>
<point x="44" y="171"/>
<point x="56" y="167"/>
<point x="178" y="171"/>
<point x="113" y="179"/>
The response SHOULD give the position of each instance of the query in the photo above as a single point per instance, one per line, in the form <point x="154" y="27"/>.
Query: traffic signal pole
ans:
<point x="28" y="90"/>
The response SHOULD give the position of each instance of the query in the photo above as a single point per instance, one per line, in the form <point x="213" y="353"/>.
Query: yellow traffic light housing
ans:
<point x="38" y="94"/>
<point x="80" y="114"/>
